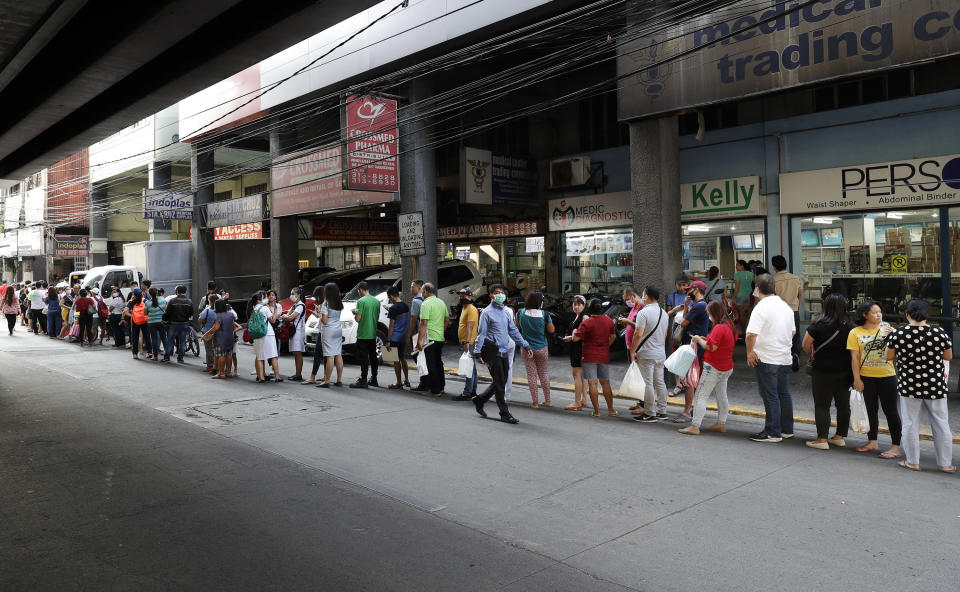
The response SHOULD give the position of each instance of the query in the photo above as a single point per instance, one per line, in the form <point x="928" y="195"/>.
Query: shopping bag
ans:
<point x="680" y="361"/>
<point x="859" y="422"/>
<point x="422" y="363"/>
<point x="465" y="368"/>
<point x="75" y="330"/>
<point x="692" y="379"/>
<point x="633" y="385"/>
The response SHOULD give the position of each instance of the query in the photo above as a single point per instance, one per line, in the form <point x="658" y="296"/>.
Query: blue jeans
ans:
<point x="176" y="335"/>
<point x="774" y="383"/>
<point x="470" y="384"/>
<point x="54" y="323"/>
<point x="156" y="338"/>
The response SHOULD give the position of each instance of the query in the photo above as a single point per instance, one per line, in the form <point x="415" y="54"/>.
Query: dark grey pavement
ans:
<point x="124" y="475"/>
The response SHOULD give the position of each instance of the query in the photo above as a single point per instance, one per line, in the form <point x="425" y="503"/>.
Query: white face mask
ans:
<point x="264" y="301"/>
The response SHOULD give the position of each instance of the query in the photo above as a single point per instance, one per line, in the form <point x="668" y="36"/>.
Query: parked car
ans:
<point x="305" y="274"/>
<point x="345" y="280"/>
<point x="452" y="275"/>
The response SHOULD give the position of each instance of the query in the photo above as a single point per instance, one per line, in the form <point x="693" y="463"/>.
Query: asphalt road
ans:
<point x="125" y="475"/>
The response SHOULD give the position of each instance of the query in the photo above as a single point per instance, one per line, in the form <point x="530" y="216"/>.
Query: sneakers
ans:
<point x="764" y="437"/>
<point x="818" y="445"/>
<point x="661" y="416"/>
<point x="361" y="383"/>
<point x="373" y="381"/>
<point x="645" y="419"/>
<point x="478" y="405"/>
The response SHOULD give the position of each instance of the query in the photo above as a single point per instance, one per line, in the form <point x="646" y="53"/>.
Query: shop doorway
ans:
<point x="721" y="245"/>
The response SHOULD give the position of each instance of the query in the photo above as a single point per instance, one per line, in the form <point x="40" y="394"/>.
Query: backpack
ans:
<point x="257" y="327"/>
<point x="139" y="315"/>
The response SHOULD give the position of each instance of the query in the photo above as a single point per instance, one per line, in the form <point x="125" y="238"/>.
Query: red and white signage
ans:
<point x="490" y="230"/>
<point x="354" y="229"/>
<point x="308" y="182"/>
<point x="239" y="231"/>
<point x="372" y="144"/>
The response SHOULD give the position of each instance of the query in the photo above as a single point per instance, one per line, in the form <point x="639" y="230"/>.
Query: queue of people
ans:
<point x="899" y="371"/>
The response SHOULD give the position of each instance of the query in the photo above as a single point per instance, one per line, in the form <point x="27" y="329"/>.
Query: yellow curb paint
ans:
<point x="679" y="402"/>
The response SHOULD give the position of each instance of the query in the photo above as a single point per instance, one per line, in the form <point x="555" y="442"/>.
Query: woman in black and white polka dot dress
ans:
<point x="920" y="352"/>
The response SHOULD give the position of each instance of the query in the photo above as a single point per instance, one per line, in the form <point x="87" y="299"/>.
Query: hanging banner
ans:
<point x="70" y="245"/>
<point x="243" y="210"/>
<point x="756" y="47"/>
<point x="159" y="204"/>
<point x="493" y="178"/>
<point x="309" y="181"/>
<point x="238" y="232"/>
<point x="372" y="144"/>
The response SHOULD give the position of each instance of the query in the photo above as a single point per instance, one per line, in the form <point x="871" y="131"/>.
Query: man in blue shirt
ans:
<point x="497" y="329"/>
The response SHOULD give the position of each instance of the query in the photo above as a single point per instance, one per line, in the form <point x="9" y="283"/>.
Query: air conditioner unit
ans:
<point x="569" y="172"/>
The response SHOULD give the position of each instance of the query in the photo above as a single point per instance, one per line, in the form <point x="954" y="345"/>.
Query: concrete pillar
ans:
<point x="201" y="169"/>
<point x="418" y="183"/>
<point x="160" y="176"/>
<point x="99" y="205"/>
<point x="655" y="189"/>
<point x="284" y="246"/>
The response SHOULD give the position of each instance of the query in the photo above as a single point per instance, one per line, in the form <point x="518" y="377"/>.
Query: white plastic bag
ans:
<point x="680" y="361"/>
<point x="466" y="366"/>
<point x="422" y="363"/>
<point x="859" y="422"/>
<point x="633" y="385"/>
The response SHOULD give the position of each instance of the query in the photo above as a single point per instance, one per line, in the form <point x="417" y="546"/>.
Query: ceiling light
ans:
<point x="936" y="215"/>
<point x="698" y="228"/>
<point x="823" y="220"/>
<point x="894" y="215"/>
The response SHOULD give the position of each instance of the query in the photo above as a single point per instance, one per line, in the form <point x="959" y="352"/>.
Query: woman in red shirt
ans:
<point x="84" y="311"/>
<point x="717" y="368"/>
<point x="597" y="334"/>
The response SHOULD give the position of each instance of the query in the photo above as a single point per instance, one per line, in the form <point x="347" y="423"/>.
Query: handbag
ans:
<point x="681" y="360"/>
<point x="810" y="366"/>
<point x="75" y="330"/>
<point x="692" y="378"/>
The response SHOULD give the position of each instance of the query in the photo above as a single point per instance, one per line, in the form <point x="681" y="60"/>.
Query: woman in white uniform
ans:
<point x="265" y="347"/>
<point x="297" y="341"/>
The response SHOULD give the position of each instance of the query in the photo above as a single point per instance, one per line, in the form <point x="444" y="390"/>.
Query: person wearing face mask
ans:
<point x="115" y="306"/>
<point x="297" y="341"/>
<point x="179" y="313"/>
<point x="265" y="348"/>
<point x="467" y="333"/>
<point x="648" y="351"/>
<point x="535" y="324"/>
<point x="633" y="300"/>
<point x="497" y="329"/>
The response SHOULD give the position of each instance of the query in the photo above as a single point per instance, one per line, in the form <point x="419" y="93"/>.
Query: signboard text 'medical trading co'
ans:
<point x="754" y="47"/>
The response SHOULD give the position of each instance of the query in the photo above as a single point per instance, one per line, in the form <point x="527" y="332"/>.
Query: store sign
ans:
<point x="899" y="184"/>
<point x="591" y="211"/>
<point x="239" y="231"/>
<point x="70" y="245"/>
<point x="410" y="228"/>
<point x="493" y="178"/>
<point x="755" y="47"/>
<point x="353" y="229"/>
<point x="372" y="160"/>
<point x="723" y="198"/>
<point x="310" y="181"/>
<point x="491" y="230"/>
<point x="160" y="204"/>
<point x="232" y="212"/>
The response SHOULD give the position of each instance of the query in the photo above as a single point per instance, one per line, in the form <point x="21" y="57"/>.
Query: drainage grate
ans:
<point x="248" y="410"/>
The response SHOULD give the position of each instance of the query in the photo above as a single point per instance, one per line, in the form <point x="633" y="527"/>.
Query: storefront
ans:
<point x="70" y="253"/>
<point x="888" y="232"/>
<point x="595" y="242"/>
<point x="511" y="253"/>
<point x="722" y="223"/>
<point x="351" y="243"/>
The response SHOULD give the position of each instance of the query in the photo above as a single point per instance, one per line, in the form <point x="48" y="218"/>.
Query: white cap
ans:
<point x="94" y="290"/>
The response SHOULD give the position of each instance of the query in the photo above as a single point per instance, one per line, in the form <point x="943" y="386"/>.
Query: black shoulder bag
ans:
<point x="810" y="364"/>
<point x="650" y="334"/>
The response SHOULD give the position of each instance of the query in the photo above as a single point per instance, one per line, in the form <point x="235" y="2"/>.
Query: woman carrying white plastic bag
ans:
<point x="680" y="361"/>
<point x="717" y="368"/>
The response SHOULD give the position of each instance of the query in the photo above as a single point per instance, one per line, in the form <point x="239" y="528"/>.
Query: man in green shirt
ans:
<point x="433" y="322"/>
<point x="366" y="314"/>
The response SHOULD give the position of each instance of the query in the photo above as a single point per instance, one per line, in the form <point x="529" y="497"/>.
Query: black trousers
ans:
<point x="882" y="392"/>
<point x="86" y="326"/>
<point x="11" y="321"/>
<point x="317" y="357"/>
<point x="367" y="351"/>
<point x="117" y="328"/>
<point x="38" y="320"/>
<point x="435" y="379"/>
<point x="498" y="367"/>
<point x="831" y="388"/>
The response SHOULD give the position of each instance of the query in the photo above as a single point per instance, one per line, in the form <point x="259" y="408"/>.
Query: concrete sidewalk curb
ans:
<point x="679" y="402"/>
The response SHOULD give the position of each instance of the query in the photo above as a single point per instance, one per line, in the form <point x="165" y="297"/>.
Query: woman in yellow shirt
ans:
<point x="874" y="375"/>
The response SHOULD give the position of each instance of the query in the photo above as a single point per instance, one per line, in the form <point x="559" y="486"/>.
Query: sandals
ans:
<point x="323" y="384"/>
<point x="948" y="469"/>
<point x="573" y="407"/>
<point x="903" y="465"/>
<point x="308" y="382"/>
<point x="395" y="387"/>
<point x="613" y="413"/>
<point x="682" y="418"/>
<point x="890" y="455"/>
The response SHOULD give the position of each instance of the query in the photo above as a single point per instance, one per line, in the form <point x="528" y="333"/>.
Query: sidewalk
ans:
<point x="742" y="390"/>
